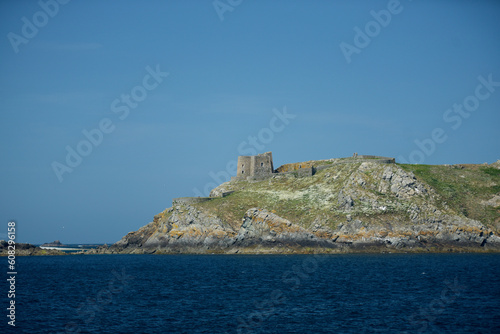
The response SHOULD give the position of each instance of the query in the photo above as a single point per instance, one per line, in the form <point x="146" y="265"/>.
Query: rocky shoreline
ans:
<point x="25" y="249"/>
<point x="263" y="232"/>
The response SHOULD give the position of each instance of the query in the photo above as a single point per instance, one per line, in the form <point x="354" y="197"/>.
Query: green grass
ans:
<point x="301" y="209"/>
<point x="491" y="171"/>
<point x="462" y="190"/>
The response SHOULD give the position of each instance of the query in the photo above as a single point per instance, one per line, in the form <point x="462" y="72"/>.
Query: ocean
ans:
<point x="385" y="293"/>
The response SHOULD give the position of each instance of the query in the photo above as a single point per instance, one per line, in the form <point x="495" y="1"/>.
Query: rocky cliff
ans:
<point x="350" y="207"/>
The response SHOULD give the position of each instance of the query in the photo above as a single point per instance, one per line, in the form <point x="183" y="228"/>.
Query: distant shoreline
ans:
<point x="27" y="249"/>
<point x="23" y="249"/>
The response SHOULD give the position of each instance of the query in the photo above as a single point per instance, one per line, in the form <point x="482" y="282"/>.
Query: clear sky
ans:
<point x="109" y="109"/>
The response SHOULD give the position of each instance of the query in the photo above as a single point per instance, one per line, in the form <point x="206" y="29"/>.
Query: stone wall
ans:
<point x="296" y="166"/>
<point x="376" y="158"/>
<point x="322" y="164"/>
<point x="262" y="164"/>
<point x="190" y="200"/>
<point x="244" y="168"/>
<point x="260" y="167"/>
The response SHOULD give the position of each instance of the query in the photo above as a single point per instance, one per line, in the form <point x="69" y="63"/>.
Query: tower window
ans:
<point x="261" y="164"/>
<point x="242" y="172"/>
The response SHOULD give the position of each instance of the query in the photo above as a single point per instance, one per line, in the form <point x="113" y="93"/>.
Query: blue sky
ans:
<point x="231" y="71"/>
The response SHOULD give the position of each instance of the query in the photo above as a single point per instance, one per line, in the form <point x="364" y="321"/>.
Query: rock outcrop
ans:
<point x="22" y="249"/>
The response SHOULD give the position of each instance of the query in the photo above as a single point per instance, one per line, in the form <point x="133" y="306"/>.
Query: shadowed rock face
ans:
<point x="262" y="226"/>
<point x="355" y="207"/>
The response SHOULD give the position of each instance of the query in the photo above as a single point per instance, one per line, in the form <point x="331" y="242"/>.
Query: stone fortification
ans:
<point x="259" y="167"/>
<point x="298" y="165"/>
<point x="315" y="165"/>
<point x="255" y="167"/>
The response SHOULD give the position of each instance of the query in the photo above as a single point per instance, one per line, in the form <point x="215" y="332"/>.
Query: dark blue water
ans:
<point x="258" y="294"/>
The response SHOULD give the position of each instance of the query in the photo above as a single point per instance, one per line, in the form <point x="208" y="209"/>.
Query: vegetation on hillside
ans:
<point x="463" y="188"/>
<point x="308" y="200"/>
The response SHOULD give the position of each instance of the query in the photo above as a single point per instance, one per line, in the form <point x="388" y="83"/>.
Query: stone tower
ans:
<point x="255" y="166"/>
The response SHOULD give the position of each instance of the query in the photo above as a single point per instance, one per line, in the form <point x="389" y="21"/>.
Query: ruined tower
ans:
<point x="255" y="166"/>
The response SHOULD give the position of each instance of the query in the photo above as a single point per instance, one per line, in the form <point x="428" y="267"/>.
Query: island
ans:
<point x="361" y="203"/>
<point x="56" y="243"/>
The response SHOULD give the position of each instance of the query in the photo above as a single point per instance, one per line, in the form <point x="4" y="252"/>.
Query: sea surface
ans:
<point x="424" y="293"/>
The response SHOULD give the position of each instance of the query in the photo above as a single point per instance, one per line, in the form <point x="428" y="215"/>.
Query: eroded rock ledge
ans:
<point x="185" y="229"/>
